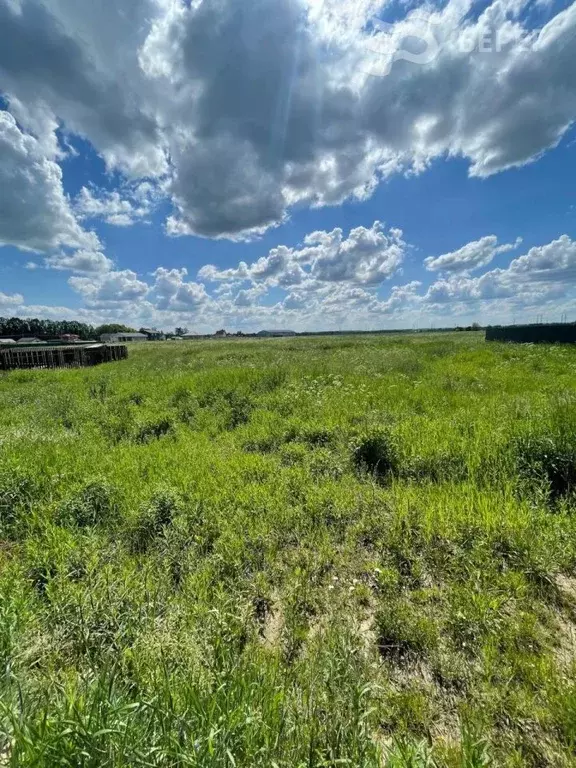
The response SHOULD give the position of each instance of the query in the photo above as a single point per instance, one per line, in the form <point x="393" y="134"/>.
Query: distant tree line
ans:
<point x="473" y="327"/>
<point x="112" y="328"/>
<point x="53" y="329"/>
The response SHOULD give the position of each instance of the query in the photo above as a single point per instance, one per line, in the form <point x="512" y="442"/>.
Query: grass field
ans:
<point x="297" y="552"/>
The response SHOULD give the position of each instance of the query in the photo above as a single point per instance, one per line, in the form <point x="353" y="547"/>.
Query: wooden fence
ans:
<point x="560" y="333"/>
<point x="75" y="356"/>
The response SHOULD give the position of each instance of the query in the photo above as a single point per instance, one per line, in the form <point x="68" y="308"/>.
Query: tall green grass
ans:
<point x="297" y="552"/>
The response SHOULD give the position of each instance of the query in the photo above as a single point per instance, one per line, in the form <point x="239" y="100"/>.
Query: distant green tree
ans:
<point x="180" y="331"/>
<point x="112" y="328"/>
<point x="49" y="329"/>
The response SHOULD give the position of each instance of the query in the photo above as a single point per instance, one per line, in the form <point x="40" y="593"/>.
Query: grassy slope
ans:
<point x="316" y="552"/>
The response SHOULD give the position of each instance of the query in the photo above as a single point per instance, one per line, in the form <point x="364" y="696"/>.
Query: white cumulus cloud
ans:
<point x="240" y="111"/>
<point x="473" y="255"/>
<point x="35" y="214"/>
<point x="120" y="210"/>
<point x="544" y="272"/>
<point x="109" y="289"/>
<point x="366" y="256"/>
<point x="81" y="262"/>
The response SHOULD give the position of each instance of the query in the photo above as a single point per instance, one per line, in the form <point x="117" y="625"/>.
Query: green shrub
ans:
<point x="405" y="631"/>
<point x="548" y="460"/>
<point x="270" y="380"/>
<point x="441" y="467"/>
<point x="232" y="407"/>
<point x="241" y="406"/>
<point x="292" y="454"/>
<point x="153" y="430"/>
<point x="186" y="405"/>
<point x="317" y="437"/>
<point x="326" y="463"/>
<point x="18" y="492"/>
<point x="153" y="520"/>
<point x="100" y="390"/>
<point x="95" y="504"/>
<point x="377" y="454"/>
<point x="117" y="423"/>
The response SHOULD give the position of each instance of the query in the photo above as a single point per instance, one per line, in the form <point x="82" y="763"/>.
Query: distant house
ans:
<point x="276" y="333"/>
<point x="221" y="333"/>
<point x="29" y="340"/>
<point x="153" y="335"/>
<point x="71" y="338"/>
<point x="117" y="338"/>
<point x="7" y="341"/>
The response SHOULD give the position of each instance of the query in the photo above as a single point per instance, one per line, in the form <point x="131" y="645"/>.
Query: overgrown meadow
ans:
<point x="283" y="553"/>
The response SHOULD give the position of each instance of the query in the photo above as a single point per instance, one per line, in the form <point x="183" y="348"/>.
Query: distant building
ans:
<point x="276" y="333"/>
<point x="70" y="337"/>
<point x="221" y="333"/>
<point x="153" y="335"/>
<point x="7" y="341"/>
<point x="117" y="338"/>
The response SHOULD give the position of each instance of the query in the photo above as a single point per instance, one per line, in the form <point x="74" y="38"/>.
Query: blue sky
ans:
<point x="286" y="163"/>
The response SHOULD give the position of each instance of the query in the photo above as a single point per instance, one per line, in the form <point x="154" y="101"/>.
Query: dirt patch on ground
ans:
<point x="272" y="627"/>
<point x="567" y="587"/>
<point x="566" y="641"/>
<point x="367" y="628"/>
<point x="566" y="621"/>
